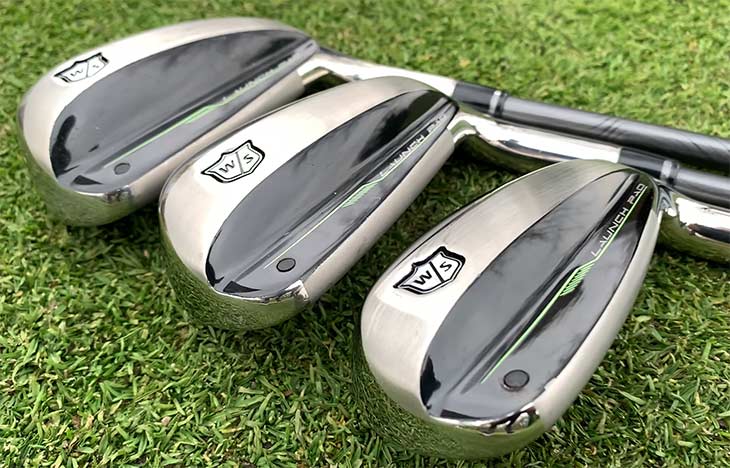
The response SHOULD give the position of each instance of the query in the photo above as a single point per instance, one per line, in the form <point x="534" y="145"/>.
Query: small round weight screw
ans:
<point x="515" y="380"/>
<point x="286" y="264"/>
<point x="121" y="168"/>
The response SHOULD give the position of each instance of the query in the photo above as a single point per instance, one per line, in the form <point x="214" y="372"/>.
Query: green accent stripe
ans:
<point x="569" y="285"/>
<point x="363" y="189"/>
<point x="349" y="201"/>
<point x="205" y="110"/>
<point x="198" y="114"/>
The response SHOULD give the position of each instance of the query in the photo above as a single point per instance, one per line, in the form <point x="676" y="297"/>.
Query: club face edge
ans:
<point x="131" y="196"/>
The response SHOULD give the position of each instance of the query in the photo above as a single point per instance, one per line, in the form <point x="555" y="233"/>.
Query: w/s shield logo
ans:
<point x="439" y="269"/>
<point x="83" y="69"/>
<point x="237" y="163"/>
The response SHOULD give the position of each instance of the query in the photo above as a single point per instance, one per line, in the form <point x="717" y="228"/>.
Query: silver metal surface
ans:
<point x="563" y="390"/>
<point x="193" y="206"/>
<point x="523" y="148"/>
<point x="50" y="95"/>
<point x="690" y="226"/>
<point x="351" y="69"/>
<point x="360" y="242"/>
<point x="411" y="433"/>
<point x="484" y="229"/>
<point x="695" y="228"/>
<point x="511" y="146"/>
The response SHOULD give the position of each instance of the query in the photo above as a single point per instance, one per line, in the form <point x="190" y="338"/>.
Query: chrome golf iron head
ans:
<point x="263" y="222"/>
<point x="104" y="129"/>
<point x="478" y="338"/>
<point x="260" y="224"/>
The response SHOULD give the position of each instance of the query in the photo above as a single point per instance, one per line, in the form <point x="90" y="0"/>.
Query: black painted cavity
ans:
<point x="485" y="337"/>
<point x="315" y="201"/>
<point x="137" y="115"/>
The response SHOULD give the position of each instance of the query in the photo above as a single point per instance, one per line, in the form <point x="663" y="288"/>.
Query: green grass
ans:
<point x="98" y="365"/>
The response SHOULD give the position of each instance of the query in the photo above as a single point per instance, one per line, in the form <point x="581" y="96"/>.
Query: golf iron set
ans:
<point x="105" y="129"/>
<point x="525" y="287"/>
<point x="566" y="247"/>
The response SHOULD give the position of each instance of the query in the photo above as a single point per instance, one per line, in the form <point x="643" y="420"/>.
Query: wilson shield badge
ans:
<point x="233" y="165"/>
<point x="439" y="269"/>
<point x="83" y="69"/>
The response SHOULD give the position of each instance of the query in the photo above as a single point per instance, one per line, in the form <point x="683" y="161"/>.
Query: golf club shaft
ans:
<point x="523" y="148"/>
<point x="680" y="144"/>
<point x="684" y="145"/>
<point x="688" y="225"/>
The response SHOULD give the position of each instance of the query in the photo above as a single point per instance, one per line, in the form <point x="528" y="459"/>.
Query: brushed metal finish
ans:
<point x="340" y="261"/>
<point x="563" y="390"/>
<point x="408" y="432"/>
<point x="504" y="214"/>
<point x="193" y="206"/>
<point x="50" y="95"/>
<point x="208" y="306"/>
<point x="512" y="146"/>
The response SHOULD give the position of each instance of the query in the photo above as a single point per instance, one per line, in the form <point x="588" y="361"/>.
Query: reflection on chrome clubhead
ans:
<point x="499" y="316"/>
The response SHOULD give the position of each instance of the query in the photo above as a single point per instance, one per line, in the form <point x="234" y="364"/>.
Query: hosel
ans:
<point x="696" y="228"/>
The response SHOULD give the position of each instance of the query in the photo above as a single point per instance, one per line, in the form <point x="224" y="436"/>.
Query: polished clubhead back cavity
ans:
<point x="500" y="314"/>
<point x="105" y="129"/>
<point x="259" y="225"/>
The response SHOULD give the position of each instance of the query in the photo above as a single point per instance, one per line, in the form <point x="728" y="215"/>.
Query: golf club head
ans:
<point x="105" y="129"/>
<point x="259" y="225"/>
<point x="482" y="333"/>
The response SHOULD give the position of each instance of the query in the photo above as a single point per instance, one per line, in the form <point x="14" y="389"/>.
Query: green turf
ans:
<point x="99" y="366"/>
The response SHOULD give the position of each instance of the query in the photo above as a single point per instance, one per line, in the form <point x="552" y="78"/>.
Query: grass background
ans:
<point x="99" y="366"/>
